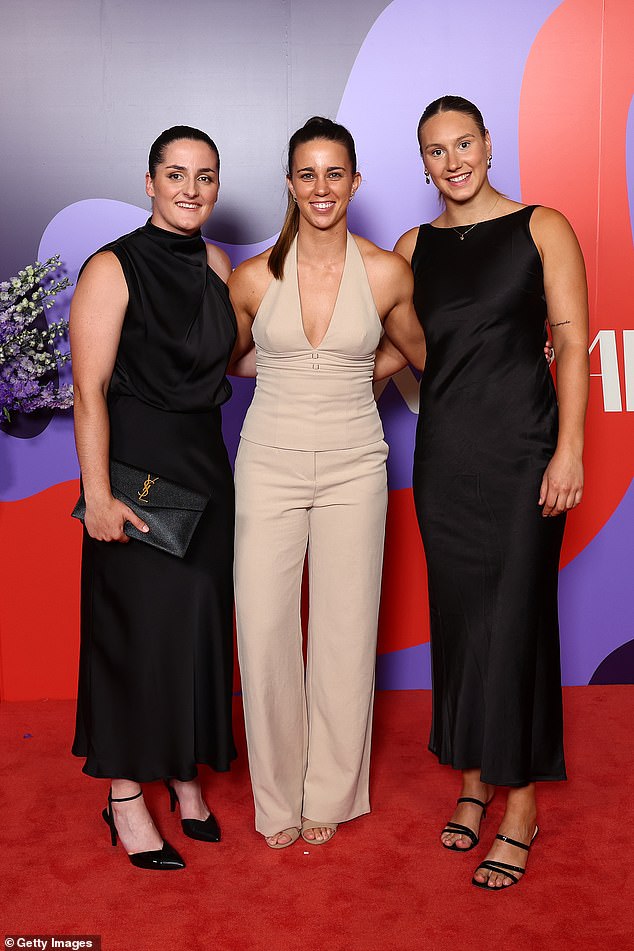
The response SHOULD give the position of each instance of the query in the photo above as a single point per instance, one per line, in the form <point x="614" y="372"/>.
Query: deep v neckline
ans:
<point x="334" y="309"/>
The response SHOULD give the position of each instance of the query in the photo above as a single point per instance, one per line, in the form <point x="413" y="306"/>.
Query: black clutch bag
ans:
<point x="171" y="511"/>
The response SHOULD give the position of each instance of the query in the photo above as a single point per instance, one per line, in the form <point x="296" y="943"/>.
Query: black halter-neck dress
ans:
<point x="156" y="657"/>
<point x="486" y="431"/>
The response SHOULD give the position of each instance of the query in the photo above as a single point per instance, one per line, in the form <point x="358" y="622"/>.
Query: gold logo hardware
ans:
<point x="146" y="488"/>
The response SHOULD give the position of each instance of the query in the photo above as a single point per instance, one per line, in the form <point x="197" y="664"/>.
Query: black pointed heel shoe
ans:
<point x="457" y="828"/>
<point x="164" y="859"/>
<point x="204" y="830"/>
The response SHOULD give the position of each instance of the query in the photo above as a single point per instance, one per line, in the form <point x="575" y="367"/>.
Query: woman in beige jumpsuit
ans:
<point x="310" y="476"/>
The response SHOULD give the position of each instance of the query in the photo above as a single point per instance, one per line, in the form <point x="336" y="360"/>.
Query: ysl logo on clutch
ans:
<point x="146" y="488"/>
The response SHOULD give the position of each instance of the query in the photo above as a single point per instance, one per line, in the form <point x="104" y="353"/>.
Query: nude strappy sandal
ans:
<point x="293" y="832"/>
<point x="309" y="824"/>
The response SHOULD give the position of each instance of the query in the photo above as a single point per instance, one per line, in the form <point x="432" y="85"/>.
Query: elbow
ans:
<point x="419" y="359"/>
<point x="573" y="353"/>
<point x="88" y="398"/>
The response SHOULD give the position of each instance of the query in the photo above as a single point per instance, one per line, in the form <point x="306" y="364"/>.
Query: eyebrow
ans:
<point x="183" y="168"/>
<point x="435" y="145"/>
<point x="331" y="168"/>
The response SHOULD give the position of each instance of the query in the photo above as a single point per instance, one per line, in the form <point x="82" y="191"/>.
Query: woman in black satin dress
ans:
<point x="152" y="330"/>
<point x="497" y="464"/>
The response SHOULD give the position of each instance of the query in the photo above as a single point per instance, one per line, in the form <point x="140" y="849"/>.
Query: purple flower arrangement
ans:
<point x="28" y="351"/>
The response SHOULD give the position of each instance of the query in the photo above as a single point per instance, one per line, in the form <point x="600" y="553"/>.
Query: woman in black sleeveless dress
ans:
<point x="495" y="470"/>
<point x="152" y="330"/>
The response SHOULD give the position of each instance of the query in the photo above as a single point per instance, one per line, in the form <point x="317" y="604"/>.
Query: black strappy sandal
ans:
<point x="503" y="867"/>
<point x="455" y="827"/>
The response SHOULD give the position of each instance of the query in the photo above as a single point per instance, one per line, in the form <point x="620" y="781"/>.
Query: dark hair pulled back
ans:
<point x="315" y="128"/>
<point x="451" y="104"/>
<point x="157" y="150"/>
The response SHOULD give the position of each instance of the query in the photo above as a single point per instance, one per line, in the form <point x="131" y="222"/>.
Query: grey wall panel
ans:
<point x="85" y="87"/>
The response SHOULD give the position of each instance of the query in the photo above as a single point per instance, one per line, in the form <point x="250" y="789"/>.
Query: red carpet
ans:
<point x="383" y="883"/>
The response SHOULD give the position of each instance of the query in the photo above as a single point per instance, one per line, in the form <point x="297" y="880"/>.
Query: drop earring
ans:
<point x="352" y="196"/>
<point x="427" y="177"/>
<point x="489" y="160"/>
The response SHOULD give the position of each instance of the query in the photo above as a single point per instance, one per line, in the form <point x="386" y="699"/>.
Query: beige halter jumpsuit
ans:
<point x="310" y="475"/>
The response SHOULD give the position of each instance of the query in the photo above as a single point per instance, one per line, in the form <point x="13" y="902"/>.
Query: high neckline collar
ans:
<point x="185" y="243"/>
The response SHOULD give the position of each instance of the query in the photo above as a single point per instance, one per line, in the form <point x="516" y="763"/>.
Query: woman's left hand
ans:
<point x="562" y="484"/>
<point x="549" y="352"/>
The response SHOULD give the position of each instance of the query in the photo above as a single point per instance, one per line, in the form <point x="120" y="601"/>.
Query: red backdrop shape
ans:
<point x="576" y="94"/>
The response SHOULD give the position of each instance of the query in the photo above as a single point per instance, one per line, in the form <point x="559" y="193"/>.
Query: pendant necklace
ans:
<point x="463" y="234"/>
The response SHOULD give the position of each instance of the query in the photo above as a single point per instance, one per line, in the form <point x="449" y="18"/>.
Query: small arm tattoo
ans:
<point x="561" y="323"/>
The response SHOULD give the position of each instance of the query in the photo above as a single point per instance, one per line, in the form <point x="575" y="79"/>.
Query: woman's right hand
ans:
<point x="104" y="520"/>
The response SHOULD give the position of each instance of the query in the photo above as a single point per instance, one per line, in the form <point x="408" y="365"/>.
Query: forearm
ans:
<point x="92" y="440"/>
<point x="572" y="394"/>
<point x="387" y="364"/>
<point x="243" y="365"/>
<point x="415" y="352"/>
<point x="404" y="339"/>
<point x="399" y="346"/>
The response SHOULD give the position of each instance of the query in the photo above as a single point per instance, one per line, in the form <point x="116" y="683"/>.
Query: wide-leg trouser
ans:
<point x="308" y="731"/>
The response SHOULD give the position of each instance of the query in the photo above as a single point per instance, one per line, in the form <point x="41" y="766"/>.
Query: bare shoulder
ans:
<point x="102" y="275"/>
<point x="100" y="301"/>
<point x="406" y="244"/>
<point x="218" y="260"/>
<point x="253" y="271"/>
<point x="369" y="250"/>
<point x="379" y="263"/>
<point x="389" y="276"/>
<point x="552" y="231"/>
<point x="547" y="222"/>
<point x="103" y="265"/>
<point x="249" y="282"/>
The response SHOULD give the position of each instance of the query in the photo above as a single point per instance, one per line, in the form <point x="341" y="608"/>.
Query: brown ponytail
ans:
<point x="315" y="128"/>
<point x="282" y="246"/>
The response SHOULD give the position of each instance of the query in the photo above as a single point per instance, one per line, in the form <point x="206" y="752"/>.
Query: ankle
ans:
<point x="124" y="789"/>
<point x="189" y="788"/>
<point x="519" y="825"/>
<point x="517" y="818"/>
<point x="477" y="789"/>
<point x="521" y="806"/>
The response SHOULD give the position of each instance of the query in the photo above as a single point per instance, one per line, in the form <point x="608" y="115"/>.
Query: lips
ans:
<point x="459" y="179"/>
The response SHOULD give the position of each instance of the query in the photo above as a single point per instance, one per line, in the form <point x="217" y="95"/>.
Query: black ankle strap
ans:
<point x="518" y="845"/>
<point x="125" y="798"/>
<point x="478" y="802"/>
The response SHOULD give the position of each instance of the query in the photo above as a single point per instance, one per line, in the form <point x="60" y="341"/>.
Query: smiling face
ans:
<point x="455" y="154"/>
<point x="322" y="181"/>
<point x="185" y="186"/>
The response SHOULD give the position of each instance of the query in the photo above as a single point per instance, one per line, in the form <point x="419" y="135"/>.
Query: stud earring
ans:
<point x="427" y="178"/>
<point x="489" y="160"/>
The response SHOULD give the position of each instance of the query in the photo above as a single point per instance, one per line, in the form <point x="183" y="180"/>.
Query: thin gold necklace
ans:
<point x="463" y="234"/>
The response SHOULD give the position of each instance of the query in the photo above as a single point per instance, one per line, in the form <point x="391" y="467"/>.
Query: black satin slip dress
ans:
<point x="486" y="432"/>
<point x="156" y="657"/>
